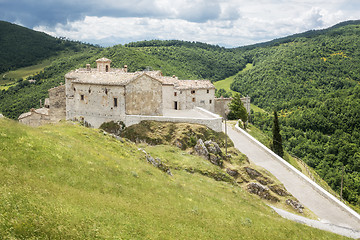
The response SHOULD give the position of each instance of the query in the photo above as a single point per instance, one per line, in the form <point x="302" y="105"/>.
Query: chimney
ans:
<point x="125" y="68"/>
<point x="88" y="67"/>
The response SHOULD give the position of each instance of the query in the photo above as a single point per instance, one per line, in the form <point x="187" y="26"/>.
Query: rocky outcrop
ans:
<point x="201" y="149"/>
<point x="232" y="172"/>
<point x="253" y="174"/>
<point x="213" y="147"/>
<point x="279" y="190"/>
<point x="156" y="162"/>
<point x="262" y="191"/>
<point x="296" y="205"/>
<point x="209" y="150"/>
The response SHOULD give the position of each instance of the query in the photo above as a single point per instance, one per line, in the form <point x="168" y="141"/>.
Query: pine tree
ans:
<point x="277" y="141"/>
<point x="238" y="110"/>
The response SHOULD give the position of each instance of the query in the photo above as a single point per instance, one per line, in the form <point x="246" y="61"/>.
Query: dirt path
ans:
<point x="325" y="209"/>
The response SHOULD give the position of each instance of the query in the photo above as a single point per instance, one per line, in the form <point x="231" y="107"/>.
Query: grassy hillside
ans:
<point x="226" y="83"/>
<point x="71" y="182"/>
<point x="313" y="82"/>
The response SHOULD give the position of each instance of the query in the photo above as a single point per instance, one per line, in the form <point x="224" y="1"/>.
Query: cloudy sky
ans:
<point x="228" y="23"/>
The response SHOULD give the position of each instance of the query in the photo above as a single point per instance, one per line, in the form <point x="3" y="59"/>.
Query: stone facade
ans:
<point x="103" y="94"/>
<point x="222" y="105"/>
<point x="53" y="111"/>
<point x="108" y="94"/>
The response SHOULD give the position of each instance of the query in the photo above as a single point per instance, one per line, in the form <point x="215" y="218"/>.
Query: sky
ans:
<point x="228" y="23"/>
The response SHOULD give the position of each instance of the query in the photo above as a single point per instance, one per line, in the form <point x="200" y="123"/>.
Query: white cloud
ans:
<point x="224" y="22"/>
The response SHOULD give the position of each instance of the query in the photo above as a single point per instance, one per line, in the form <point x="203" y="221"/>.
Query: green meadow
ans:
<point x="66" y="181"/>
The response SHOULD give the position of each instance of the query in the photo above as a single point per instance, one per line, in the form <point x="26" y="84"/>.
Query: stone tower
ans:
<point x="103" y="65"/>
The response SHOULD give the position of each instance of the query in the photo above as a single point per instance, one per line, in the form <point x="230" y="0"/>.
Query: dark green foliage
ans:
<point x="113" y="127"/>
<point x="21" y="47"/>
<point x="313" y="82"/>
<point x="197" y="60"/>
<point x="276" y="140"/>
<point x="238" y="110"/>
<point x="222" y="93"/>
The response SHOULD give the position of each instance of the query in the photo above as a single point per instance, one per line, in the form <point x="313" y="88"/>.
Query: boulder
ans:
<point x="253" y="174"/>
<point x="296" y="205"/>
<point x="156" y="162"/>
<point x="232" y="172"/>
<point x="262" y="191"/>
<point x="213" y="147"/>
<point x="279" y="190"/>
<point x="1" y="116"/>
<point x="201" y="149"/>
<point x="214" y="159"/>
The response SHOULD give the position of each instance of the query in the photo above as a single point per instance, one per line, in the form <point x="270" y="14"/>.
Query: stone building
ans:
<point x="53" y="110"/>
<point x="105" y="94"/>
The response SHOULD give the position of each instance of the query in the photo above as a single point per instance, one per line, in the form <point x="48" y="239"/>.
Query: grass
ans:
<point x="71" y="182"/>
<point x="24" y="72"/>
<point x="225" y="84"/>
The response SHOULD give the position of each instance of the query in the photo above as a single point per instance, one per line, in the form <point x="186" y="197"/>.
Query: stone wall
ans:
<point x="222" y="105"/>
<point x="144" y="97"/>
<point x="94" y="104"/>
<point x="35" y="118"/>
<point x="214" y="122"/>
<point x="57" y="103"/>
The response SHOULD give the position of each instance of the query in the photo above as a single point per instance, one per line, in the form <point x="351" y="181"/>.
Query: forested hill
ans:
<point x="307" y="34"/>
<point x="183" y="59"/>
<point x="21" y="47"/>
<point x="315" y="84"/>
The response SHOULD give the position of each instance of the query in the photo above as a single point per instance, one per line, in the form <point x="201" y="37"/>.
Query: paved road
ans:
<point x="326" y="210"/>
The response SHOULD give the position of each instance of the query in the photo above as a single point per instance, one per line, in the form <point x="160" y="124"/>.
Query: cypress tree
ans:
<point x="277" y="141"/>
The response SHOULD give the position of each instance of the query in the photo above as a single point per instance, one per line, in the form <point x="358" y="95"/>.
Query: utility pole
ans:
<point x="225" y="140"/>
<point x="342" y="181"/>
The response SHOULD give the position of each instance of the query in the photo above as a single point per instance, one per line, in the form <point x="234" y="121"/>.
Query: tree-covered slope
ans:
<point x="22" y="47"/>
<point x="70" y="182"/>
<point x="314" y="83"/>
<point x="198" y="59"/>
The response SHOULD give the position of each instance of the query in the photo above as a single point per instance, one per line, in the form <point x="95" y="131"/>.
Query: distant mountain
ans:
<point x="307" y="34"/>
<point x="21" y="47"/>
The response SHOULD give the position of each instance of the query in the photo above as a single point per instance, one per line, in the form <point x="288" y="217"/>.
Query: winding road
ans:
<point x="328" y="211"/>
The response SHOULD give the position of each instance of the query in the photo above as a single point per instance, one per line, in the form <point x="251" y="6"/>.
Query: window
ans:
<point x="207" y="91"/>
<point x="82" y="97"/>
<point x="193" y="99"/>
<point x="115" y="102"/>
<point x="192" y="91"/>
<point x="210" y="101"/>
<point x="175" y="94"/>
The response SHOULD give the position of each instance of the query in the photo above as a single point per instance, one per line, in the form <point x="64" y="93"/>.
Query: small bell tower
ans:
<point x="103" y="65"/>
